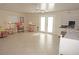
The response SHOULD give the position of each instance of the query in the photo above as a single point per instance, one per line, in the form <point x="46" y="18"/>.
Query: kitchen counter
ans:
<point x="72" y="35"/>
<point x="69" y="44"/>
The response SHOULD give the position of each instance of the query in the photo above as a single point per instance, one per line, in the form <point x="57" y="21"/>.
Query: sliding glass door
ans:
<point x="46" y="24"/>
<point x="42" y="24"/>
<point x="50" y="25"/>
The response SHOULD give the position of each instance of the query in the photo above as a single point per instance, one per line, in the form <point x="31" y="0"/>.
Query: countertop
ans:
<point x="69" y="44"/>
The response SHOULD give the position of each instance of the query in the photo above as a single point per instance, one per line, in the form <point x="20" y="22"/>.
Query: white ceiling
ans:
<point x="34" y="7"/>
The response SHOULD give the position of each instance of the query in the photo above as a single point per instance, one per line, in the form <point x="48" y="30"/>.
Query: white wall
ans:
<point x="5" y="16"/>
<point x="35" y="19"/>
<point x="60" y="18"/>
<point x="71" y="16"/>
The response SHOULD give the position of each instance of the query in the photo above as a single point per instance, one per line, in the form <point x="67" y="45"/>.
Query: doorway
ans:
<point x="46" y="24"/>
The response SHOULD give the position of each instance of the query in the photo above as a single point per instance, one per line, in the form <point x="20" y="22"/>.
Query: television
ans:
<point x="71" y="24"/>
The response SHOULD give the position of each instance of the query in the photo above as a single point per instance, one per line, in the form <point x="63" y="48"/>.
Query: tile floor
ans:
<point x="29" y="43"/>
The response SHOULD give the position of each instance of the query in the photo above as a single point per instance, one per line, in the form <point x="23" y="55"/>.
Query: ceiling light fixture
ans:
<point x="44" y="7"/>
<point x="47" y="6"/>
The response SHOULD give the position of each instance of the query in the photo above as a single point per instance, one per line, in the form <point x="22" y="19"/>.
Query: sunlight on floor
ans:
<point x="30" y="43"/>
